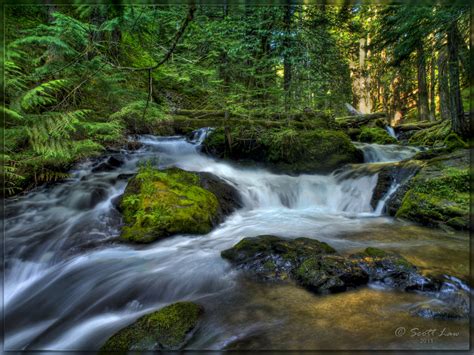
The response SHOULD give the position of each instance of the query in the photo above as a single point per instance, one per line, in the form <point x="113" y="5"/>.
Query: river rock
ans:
<point x="311" y="263"/>
<point x="392" y="270"/>
<point x="284" y="149"/>
<point x="319" y="268"/>
<point x="111" y="163"/>
<point x="160" y="203"/>
<point x="438" y="195"/>
<point x="167" y="329"/>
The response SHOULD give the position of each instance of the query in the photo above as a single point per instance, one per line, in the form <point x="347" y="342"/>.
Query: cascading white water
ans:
<point x="374" y="153"/>
<point x="67" y="287"/>
<point x="391" y="131"/>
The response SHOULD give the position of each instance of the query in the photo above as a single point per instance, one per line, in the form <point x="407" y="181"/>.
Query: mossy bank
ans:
<point x="284" y="149"/>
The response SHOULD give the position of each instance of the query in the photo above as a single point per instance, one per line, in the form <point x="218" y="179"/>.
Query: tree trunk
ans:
<point x="423" y="106"/>
<point x="432" y="88"/>
<point x="460" y="123"/>
<point x="286" y="56"/>
<point x="443" y="86"/>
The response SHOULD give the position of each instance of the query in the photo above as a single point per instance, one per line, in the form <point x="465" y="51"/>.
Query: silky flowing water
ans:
<point x="69" y="284"/>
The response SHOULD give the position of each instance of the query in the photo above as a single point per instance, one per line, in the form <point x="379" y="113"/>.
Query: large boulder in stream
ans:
<point x="284" y="149"/>
<point x="160" y="203"/>
<point x="319" y="268"/>
<point x="167" y="329"/>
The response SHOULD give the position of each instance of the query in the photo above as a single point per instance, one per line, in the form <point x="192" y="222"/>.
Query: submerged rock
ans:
<point x="167" y="329"/>
<point x="284" y="149"/>
<point x="160" y="203"/>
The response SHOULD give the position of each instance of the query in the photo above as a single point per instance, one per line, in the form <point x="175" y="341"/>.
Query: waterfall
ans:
<point x="390" y="130"/>
<point x="77" y="287"/>
<point x="375" y="153"/>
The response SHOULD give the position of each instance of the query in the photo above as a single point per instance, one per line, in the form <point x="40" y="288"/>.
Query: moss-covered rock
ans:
<point x="284" y="149"/>
<point x="392" y="269"/>
<point x="319" y="268"/>
<point x="311" y="263"/>
<point x="376" y="135"/>
<point x="329" y="273"/>
<point x="439" y="193"/>
<point x="159" y="203"/>
<point x="166" y="329"/>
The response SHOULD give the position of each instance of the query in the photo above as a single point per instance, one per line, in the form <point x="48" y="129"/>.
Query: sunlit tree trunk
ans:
<point x="432" y="87"/>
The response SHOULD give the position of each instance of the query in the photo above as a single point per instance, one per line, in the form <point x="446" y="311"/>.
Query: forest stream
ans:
<point x="69" y="285"/>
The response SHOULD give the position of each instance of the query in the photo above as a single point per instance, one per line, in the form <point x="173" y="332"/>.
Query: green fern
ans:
<point x="43" y="94"/>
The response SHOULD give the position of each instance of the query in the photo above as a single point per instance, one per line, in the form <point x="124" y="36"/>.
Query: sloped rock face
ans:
<point x="439" y="194"/>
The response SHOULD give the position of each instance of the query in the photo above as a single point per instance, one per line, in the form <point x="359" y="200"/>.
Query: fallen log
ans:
<point x="417" y="126"/>
<point x="359" y="120"/>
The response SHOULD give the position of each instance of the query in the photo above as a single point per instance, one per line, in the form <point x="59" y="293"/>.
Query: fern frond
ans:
<point x="15" y="116"/>
<point x="43" y="94"/>
<point x="46" y="41"/>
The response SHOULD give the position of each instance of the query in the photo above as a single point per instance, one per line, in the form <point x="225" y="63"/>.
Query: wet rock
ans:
<point x="167" y="329"/>
<point x="393" y="174"/>
<point x="110" y="164"/>
<point x="319" y="268"/>
<point x="392" y="270"/>
<point x="453" y="305"/>
<point x="227" y="195"/>
<point x="330" y="273"/>
<point x="160" y="203"/>
<point x="311" y="263"/>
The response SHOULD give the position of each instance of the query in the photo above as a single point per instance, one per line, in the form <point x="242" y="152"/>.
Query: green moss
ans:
<point x="438" y="196"/>
<point x="433" y="136"/>
<point x="375" y="252"/>
<point x="159" y="203"/>
<point x="163" y="329"/>
<point x="453" y="142"/>
<point x="376" y="135"/>
<point x="286" y="148"/>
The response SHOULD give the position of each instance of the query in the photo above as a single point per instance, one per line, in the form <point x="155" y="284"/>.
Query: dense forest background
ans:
<point x="79" y="79"/>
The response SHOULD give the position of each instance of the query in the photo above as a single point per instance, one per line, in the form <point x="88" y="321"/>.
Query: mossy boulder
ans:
<point x="329" y="273"/>
<point x="375" y="135"/>
<point x="160" y="203"/>
<point x="317" y="267"/>
<point x="439" y="194"/>
<point x="312" y="264"/>
<point x="166" y="329"/>
<point x="284" y="149"/>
